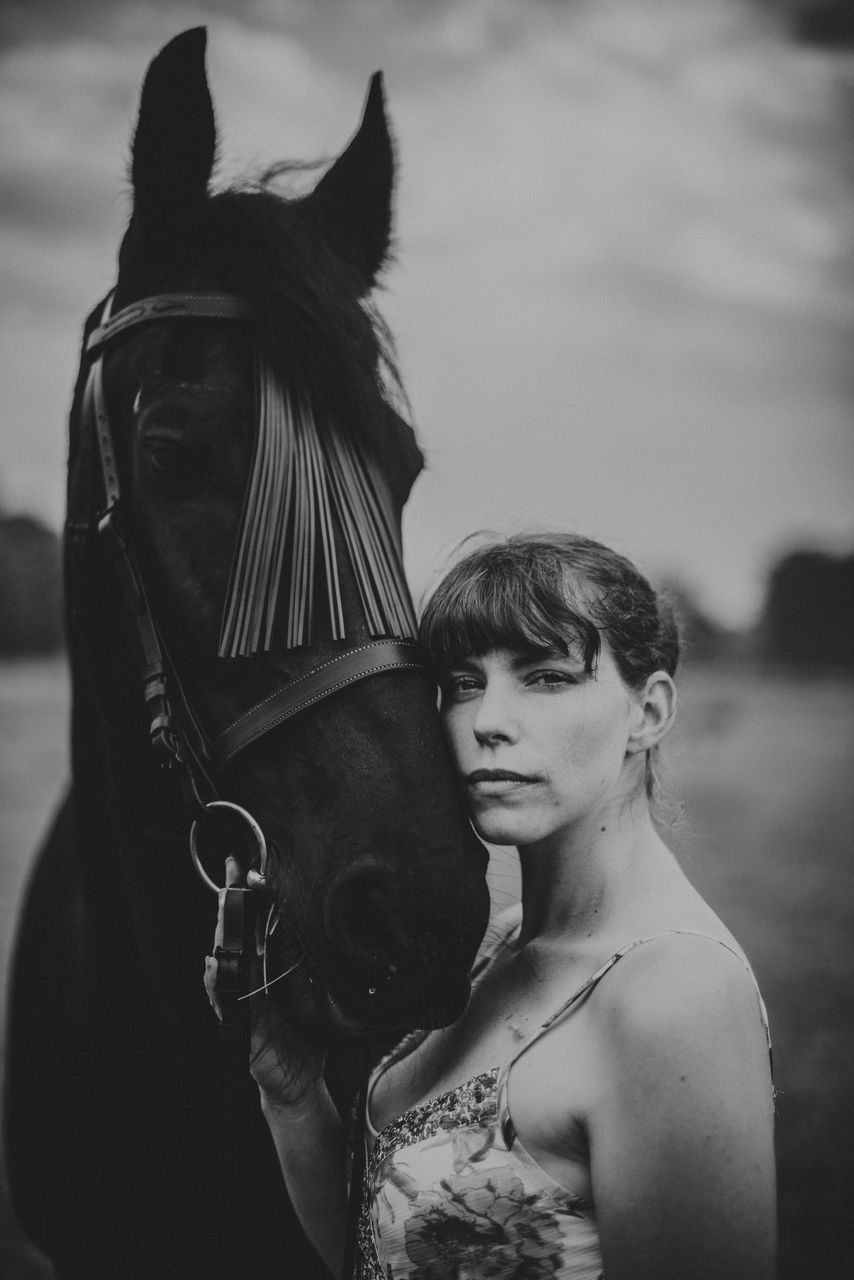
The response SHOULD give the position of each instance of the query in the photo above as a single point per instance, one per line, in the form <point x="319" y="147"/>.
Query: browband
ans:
<point x="315" y="685"/>
<point x="168" y="306"/>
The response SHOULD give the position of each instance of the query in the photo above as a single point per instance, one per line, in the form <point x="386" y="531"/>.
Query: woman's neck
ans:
<point x="578" y="883"/>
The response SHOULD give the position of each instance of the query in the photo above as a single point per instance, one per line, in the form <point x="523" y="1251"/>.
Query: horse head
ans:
<point x="251" y="477"/>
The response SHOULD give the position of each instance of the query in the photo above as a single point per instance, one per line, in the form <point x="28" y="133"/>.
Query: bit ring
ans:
<point x="253" y="827"/>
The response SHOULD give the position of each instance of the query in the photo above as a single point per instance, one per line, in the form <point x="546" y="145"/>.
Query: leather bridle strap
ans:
<point x="168" y="745"/>
<point x="304" y="691"/>
<point x="190" y="745"/>
<point x="168" y="306"/>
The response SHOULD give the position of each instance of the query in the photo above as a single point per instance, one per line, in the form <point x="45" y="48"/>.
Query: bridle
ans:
<point x="176" y="732"/>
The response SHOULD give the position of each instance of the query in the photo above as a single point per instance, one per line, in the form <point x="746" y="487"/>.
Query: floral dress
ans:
<point x="450" y="1193"/>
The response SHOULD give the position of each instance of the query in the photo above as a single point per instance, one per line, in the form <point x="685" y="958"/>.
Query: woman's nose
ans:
<point x="495" y="719"/>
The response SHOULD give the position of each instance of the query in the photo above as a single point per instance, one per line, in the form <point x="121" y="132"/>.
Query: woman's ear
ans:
<point x="655" y="709"/>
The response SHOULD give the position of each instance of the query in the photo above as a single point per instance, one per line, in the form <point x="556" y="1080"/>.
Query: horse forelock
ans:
<point x="318" y="323"/>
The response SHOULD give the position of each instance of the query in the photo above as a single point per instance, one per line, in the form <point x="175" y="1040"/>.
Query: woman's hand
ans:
<point x="284" y="1064"/>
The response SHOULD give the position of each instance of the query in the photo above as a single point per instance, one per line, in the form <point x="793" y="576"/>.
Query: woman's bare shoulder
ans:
<point x="682" y="988"/>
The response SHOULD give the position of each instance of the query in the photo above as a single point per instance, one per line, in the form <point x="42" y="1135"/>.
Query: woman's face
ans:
<point x="541" y="745"/>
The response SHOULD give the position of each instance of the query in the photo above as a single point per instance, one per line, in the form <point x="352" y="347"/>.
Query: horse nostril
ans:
<point x="362" y="924"/>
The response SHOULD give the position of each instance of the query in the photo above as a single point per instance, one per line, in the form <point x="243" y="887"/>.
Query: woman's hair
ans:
<point x="557" y="591"/>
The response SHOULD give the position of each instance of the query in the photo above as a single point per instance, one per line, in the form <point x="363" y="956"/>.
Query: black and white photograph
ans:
<point x="426" y="639"/>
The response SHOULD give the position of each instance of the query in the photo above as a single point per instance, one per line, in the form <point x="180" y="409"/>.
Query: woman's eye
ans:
<point x="456" y="686"/>
<point x="551" y="679"/>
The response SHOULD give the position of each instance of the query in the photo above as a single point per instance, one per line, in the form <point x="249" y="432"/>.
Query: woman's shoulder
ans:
<point x="675" y="951"/>
<point x="681" y="987"/>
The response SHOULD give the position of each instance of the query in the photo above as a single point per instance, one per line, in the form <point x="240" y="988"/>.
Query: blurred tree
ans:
<point x="828" y="23"/>
<point x="30" y="588"/>
<point x="808" y="616"/>
<point x="703" y="638"/>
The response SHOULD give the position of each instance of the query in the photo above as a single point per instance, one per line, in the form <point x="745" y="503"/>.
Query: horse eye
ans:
<point x="174" y="459"/>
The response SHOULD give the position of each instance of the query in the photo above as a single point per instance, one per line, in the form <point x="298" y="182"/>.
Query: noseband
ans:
<point x="180" y="738"/>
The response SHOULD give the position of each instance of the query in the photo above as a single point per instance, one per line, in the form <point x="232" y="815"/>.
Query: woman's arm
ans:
<point x="681" y="1131"/>
<point x="309" y="1141"/>
<point x="305" y="1125"/>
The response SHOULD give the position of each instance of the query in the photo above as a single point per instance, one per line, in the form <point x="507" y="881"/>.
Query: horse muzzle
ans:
<point x="390" y="963"/>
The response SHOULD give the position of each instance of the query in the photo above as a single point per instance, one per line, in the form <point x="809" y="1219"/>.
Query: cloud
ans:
<point x="623" y="293"/>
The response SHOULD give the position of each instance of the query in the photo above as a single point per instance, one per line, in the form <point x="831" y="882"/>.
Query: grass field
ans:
<point x="33" y="768"/>
<point x="764" y="765"/>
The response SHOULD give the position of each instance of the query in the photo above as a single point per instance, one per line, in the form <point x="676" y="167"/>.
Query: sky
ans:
<point x="622" y="294"/>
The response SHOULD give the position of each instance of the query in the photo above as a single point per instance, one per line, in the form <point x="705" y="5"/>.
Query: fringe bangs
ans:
<point x="495" y="606"/>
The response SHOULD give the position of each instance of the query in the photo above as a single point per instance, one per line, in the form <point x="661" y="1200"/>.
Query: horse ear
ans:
<point x="174" y="144"/>
<point x="354" y="196"/>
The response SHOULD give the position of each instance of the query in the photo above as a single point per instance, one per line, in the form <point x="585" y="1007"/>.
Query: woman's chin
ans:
<point x="493" y="829"/>
<point x="502" y="826"/>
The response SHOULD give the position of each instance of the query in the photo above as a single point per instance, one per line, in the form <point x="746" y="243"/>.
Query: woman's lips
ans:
<point x="496" y="782"/>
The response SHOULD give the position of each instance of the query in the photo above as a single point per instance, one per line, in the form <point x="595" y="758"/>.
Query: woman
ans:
<point x="604" y="1105"/>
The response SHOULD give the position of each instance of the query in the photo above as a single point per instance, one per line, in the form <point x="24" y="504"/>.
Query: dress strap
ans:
<point x="402" y="1049"/>
<point x="505" y="926"/>
<point x="507" y="1126"/>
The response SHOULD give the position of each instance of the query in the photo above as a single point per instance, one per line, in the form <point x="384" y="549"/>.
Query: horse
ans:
<point x="243" y="669"/>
